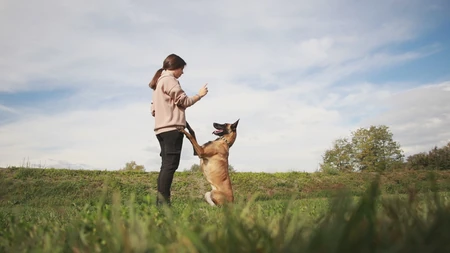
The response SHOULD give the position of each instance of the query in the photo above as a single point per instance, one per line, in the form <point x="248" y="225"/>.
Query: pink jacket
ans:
<point x="169" y="103"/>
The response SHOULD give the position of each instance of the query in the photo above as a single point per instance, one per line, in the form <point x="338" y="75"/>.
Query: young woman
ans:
<point x="169" y="103"/>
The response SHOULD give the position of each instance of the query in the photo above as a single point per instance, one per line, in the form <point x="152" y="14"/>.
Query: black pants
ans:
<point x="171" y="143"/>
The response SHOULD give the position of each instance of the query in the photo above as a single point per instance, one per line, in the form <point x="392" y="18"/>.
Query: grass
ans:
<point x="49" y="210"/>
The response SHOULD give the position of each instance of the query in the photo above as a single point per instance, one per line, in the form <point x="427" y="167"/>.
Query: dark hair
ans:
<point x="171" y="62"/>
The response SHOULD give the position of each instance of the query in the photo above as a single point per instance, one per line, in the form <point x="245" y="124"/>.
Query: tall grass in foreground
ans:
<point x="371" y="224"/>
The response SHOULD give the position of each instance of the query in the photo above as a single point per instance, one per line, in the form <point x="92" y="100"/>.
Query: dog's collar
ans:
<point x="223" y="138"/>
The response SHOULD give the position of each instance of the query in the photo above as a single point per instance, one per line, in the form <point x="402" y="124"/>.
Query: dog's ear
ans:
<point x="234" y="125"/>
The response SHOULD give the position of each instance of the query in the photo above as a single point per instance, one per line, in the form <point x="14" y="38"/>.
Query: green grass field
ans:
<point x="50" y="210"/>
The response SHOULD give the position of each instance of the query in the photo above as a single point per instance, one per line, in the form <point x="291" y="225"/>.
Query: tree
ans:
<point x="436" y="159"/>
<point x="132" y="166"/>
<point x="374" y="149"/>
<point x="231" y="169"/>
<point x="371" y="149"/>
<point x="439" y="158"/>
<point x="417" y="161"/>
<point x="340" y="156"/>
<point x="195" y="168"/>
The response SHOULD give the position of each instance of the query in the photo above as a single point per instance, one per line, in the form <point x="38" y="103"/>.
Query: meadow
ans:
<point x="56" y="210"/>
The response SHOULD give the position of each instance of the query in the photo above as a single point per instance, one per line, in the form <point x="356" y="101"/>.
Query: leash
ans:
<point x="191" y="131"/>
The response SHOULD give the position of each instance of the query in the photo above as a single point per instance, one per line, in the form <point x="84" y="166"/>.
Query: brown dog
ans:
<point x="214" y="161"/>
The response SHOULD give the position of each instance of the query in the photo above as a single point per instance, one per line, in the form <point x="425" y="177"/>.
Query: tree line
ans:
<point x="367" y="149"/>
<point x="133" y="166"/>
<point x="373" y="149"/>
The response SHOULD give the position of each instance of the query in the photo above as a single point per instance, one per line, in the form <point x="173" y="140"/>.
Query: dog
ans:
<point x="214" y="161"/>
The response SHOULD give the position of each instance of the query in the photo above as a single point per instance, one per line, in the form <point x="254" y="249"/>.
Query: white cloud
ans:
<point x="419" y="118"/>
<point x="7" y="109"/>
<point x="103" y="138"/>
<point x="123" y="41"/>
<point x="273" y="64"/>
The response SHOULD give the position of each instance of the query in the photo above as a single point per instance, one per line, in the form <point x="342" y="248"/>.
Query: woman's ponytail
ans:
<point x="153" y="82"/>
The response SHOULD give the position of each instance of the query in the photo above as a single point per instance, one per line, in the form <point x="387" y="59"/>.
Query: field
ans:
<point x="50" y="210"/>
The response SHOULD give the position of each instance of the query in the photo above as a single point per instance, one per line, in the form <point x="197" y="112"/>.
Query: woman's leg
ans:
<point x="171" y="143"/>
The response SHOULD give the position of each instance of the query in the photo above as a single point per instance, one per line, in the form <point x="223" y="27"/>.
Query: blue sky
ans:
<point x="299" y="74"/>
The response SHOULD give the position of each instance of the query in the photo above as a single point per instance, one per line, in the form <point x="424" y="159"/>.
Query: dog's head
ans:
<point x="225" y="129"/>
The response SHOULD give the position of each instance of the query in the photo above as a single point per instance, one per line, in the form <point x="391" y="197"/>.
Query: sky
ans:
<point x="298" y="74"/>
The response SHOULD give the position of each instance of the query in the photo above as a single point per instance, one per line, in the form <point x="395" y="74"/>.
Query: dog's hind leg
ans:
<point x="209" y="199"/>
<point x="219" y="198"/>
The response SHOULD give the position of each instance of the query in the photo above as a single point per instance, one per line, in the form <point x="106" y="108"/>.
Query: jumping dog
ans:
<point x="214" y="161"/>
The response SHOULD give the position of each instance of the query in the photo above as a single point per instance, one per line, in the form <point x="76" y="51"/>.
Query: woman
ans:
<point x="168" y="107"/>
